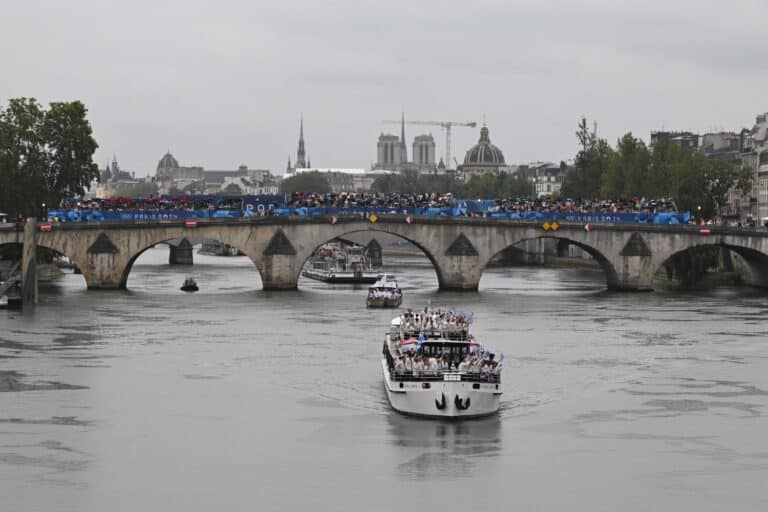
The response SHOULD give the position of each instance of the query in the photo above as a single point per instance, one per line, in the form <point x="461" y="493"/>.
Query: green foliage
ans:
<point x="45" y="155"/>
<point x="305" y="182"/>
<point x="488" y="186"/>
<point x="592" y="161"/>
<point x="627" y="171"/>
<point x="491" y="186"/>
<point x="143" y="189"/>
<point x="632" y="170"/>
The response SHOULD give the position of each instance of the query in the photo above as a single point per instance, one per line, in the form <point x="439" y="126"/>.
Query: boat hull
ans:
<point x="341" y="277"/>
<point x="384" y="303"/>
<point x="439" y="398"/>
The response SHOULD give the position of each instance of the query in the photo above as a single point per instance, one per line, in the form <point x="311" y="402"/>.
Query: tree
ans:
<point x="71" y="145"/>
<point x="305" y="182"/>
<point x="233" y="189"/>
<point x="627" y="171"/>
<point x="388" y="184"/>
<point x="45" y="156"/>
<point x="23" y="158"/>
<point x="142" y="189"/>
<point x="591" y="163"/>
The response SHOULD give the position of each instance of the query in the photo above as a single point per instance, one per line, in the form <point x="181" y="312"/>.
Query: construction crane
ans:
<point x="446" y="125"/>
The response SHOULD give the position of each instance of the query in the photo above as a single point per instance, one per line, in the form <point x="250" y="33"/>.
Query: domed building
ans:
<point x="483" y="158"/>
<point x="172" y="178"/>
<point x="168" y="162"/>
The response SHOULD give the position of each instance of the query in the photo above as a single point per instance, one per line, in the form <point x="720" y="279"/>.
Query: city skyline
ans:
<point x="227" y="85"/>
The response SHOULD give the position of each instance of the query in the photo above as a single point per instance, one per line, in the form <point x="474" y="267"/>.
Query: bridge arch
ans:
<point x="755" y="260"/>
<point x="50" y="244"/>
<point x="611" y="274"/>
<point x="373" y="229"/>
<point x="166" y="239"/>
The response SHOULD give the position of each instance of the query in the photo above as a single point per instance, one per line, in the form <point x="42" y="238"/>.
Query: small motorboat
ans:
<point x="385" y="293"/>
<point x="189" y="285"/>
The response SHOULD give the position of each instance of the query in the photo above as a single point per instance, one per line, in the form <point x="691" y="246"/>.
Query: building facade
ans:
<point x="424" y="153"/>
<point x="392" y="152"/>
<point x="548" y="177"/>
<point x="172" y="178"/>
<point x="686" y="140"/>
<point x="114" y="181"/>
<point x="755" y="158"/>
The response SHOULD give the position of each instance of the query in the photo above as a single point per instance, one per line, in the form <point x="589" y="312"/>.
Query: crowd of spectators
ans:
<point x="605" y="206"/>
<point x="394" y="201"/>
<point x="154" y="203"/>
<point x="369" y="200"/>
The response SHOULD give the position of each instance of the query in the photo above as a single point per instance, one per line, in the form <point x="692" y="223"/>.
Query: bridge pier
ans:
<point x="29" y="265"/>
<point x="106" y="268"/>
<point x="458" y="273"/>
<point x="181" y="254"/>
<point x="635" y="274"/>
<point x="280" y="272"/>
<point x="633" y="266"/>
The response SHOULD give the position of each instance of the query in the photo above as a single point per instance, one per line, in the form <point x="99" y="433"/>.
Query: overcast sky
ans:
<point x="224" y="82"/>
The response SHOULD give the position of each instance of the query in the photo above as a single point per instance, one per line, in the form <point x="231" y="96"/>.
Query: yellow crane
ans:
<point x="446" y="125"/>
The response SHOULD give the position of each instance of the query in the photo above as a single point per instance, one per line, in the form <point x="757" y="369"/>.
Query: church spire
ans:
<point x="301" y="162"/>
<point x="403" y="147"/>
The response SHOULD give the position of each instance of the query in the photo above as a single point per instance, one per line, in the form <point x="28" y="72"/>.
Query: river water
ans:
<point x="233" y="398"/>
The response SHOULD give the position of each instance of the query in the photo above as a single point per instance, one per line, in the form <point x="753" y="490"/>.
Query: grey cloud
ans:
<point x="224" y="83"/>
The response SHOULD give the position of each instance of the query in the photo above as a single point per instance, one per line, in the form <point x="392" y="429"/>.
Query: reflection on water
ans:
<point x="153" y="398"/>
<point x="437" y="450"/>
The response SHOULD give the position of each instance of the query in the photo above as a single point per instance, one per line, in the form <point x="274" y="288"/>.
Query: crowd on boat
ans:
<point x="420" y="364"/>
<point x="434" y="319"/>
<point x="383" y="293"/>
<point x="418" y="325"/>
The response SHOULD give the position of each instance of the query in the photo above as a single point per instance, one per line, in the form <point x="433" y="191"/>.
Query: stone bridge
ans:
<point x="459" y="248"/>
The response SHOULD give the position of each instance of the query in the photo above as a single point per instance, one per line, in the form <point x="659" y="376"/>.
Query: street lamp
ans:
<point x="533" y="194"/>
<point x="44" y="213"/>
<point x="699" y="209"/>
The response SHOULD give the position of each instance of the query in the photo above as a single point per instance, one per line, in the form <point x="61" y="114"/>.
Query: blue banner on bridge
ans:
<point x="222" y="207"/>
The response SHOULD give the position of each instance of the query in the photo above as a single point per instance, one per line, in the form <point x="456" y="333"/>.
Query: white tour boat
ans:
<point x="384" y="293"/>
<point x="436" y="369"/>
<point x="334" y="263"/>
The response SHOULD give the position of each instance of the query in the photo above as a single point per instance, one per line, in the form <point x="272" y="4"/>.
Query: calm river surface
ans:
<point x="234" y="399"/>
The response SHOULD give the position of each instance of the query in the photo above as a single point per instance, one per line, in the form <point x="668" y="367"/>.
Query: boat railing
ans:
<point x="457" y="334"/>
<point x="431" y="376"/>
